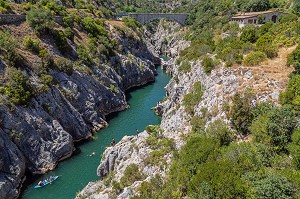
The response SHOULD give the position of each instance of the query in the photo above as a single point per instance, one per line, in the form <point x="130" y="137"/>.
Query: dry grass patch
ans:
<point x="270" y="75"/>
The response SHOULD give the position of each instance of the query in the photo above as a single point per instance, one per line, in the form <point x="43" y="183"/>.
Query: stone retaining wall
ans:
<point x="11" y="18"/>
<point x="15" y="18"/>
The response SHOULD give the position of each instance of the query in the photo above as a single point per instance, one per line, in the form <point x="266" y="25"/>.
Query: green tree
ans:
<point x="218" y="129"/>
<point x="193" y="154"/>
<point x="8" y="47"/>
<point x="258" y="5"/>
<point x="296" y="7"/>
<point x="93" y="28"/>
<point x="280" y="126"/>
<point x="221" y="177"/>
<point x="292" y="93"/>
<point x="275" y="127"/>
<point x="17" y="86"/>
<point x="60" y="40"/>
<point x="294" y="148"/>
<point x="131" y="23"/>
<point x="294" y="59"/>
<point x="265" y="44"/>
<point x="249" y="34"/>
<point x="240" y="111"/>
<point x="40" y="19"/>
<point x="192" y="99"/>
<point x="273" y="186"/>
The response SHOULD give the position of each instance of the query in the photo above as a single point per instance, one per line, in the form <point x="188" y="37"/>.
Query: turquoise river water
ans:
<point x="77" y="171"/>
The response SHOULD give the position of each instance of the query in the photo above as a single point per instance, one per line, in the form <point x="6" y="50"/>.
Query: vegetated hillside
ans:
<point x="241" y="141"/>
<point x="59" y="81"/>
<point x="102" y="7"/>
<point x="258" y="155"/>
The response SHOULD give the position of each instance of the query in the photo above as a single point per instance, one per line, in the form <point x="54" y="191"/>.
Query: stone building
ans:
<point x="257" y="17"/>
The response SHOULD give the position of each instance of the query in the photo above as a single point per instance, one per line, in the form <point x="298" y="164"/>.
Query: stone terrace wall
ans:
<point x="14" y="18"/>
<point x="11" y="18"/>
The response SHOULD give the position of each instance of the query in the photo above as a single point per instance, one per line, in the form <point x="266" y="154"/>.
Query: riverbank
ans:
<point x="80" y="169"/>
<point x="150" y="153"/>
<point x="62" y="99"/>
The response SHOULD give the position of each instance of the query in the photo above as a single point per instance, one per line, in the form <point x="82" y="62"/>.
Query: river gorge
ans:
<point x="80" y="169"/>
<point x="207" y="116"/>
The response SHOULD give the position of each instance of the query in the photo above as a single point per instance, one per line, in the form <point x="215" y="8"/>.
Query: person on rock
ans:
<point x="137" y="132"/>
<point x="113" y="142"/>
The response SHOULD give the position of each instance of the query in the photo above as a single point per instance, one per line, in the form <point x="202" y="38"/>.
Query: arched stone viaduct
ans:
<point x="146" y="17"/>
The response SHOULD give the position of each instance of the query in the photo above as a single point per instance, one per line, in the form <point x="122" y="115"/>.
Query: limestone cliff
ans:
<point x="137" y="150"/>
<point x="37" y="136"/>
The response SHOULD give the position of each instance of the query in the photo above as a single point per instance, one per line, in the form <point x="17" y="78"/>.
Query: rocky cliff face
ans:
<point x="137" y="150"/>
<point x="38" y="136"/>
<point x="218" y="87"/>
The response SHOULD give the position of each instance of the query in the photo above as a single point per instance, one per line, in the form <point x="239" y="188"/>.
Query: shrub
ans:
<point x="113" y="88"/>
<point x="93" y="28"/>
<point x="31" y="44"/>
<point x="196" y="151"/>
<point x="293" y="59"/>
<point x="90" y="7"/>
<point x="219" y="130"/>
<point x="68" y="21"/>
<point x="292" y="93"/>
<point x="131" y="174"/>
<point x="254" y="58"/>
<point x="8" y="47"/>
<point x="131" y="23"/>
<point x="64" y="65"/>
<point x="198" y="124"/>
<point x="271" y="185"/>
<point x="208" y="64"/>
<point x="294" y="148"/>
<point x="84" y="55"/>
<point x="280" y="126"/>
<point x="17" y="86"/>
<point x="296" y="8"/>
<point x="240" y="111"/>
<point x="4" y="7"/>
<point x="151" y="189"/>
<point x="60" y="40"/>
<point x="155" y="157"/>
<point x="53" y="6"/>
<point x="47" y="59"/>
<point x="154" y="130"/>
<point x="222" y="179"/>
<point x="184" y="67"/>
<point x="265" y="44"/>
<point x="47" y="79"/>
<point x="40" y="19"/>
<point x="249" y="34"/>
<point x="69" y="33"/>
<point x="192" y="99"/>
<point x="274" y="128"/>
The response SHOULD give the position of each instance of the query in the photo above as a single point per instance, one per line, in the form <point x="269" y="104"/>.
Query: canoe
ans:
<point x="45" y="182"/>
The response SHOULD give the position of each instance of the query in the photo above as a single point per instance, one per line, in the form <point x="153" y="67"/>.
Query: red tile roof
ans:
<point x="252" y="14"/>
